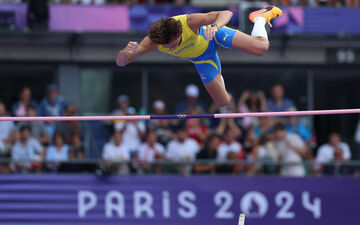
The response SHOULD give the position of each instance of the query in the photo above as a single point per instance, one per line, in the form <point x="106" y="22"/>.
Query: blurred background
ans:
<point x="57" y="58"/>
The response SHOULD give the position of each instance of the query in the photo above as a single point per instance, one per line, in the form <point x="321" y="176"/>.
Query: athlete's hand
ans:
<point x="210" y="32"/>
<point x="130" y="48"/>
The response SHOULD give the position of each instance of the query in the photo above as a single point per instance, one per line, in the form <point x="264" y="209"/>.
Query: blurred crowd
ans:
<point x="331" y="3"/>
<point x="29" y="143"/>
<point x="315" y="3"/>
<point x="251" y="146"/>
<point x="101" y="2"/>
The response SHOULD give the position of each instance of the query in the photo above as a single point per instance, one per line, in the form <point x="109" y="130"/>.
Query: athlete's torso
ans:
<point x="192" y="45"/>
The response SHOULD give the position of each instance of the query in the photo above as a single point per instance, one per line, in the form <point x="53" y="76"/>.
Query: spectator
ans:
<point x="284" y="2"/>
<point x="209" y="152"/>
<point x="27" y="153"/>
<point x="53" y="104"/>
<point x="4" y="153"/>
<point x="7" y="137"/>
<point x="133" y="132"/>
<point x="116" y="156"/>
<point x="20" y="107"/>
<point x="357" y="140"/>
<point x="159" y="108"/>
<point x="197" y="131"/>
<point x="38" y="129"/>
<point x="228" y="124"/>
<point x="255" y="153"/>
<point x="278" y="103"/>
<point x="230" y="167"/>
<point x="228" y="145"/>
<point x="272" y="155"/>
<point x="191" y="105"/>
<point x="339" y="3"/>
<point x="311" y="3"/>
<point x="352" y="3"/>
<point x="251" y="101"/>
<point x="2" y="149"/>
<point x="76" y="149"/>
<point x="150" y="151"/>
<point x="57" y="152"/>
<point x="70" y="129"/>
<point x="326" y="151"/>
<point x="266" y="142"/>
<point x="124" y="107"/>
<point x="264" y="127"/>
<point x="293" y="125"/>
<point x="163" y="132"/>
<point x="336" y="3"/>
<point x="322" y="2"/>
<point x="338" y="166"/>
<point x="7" y="128"/>
<point x="291" y="150"/>
<point x="182" y="149"/>
<point x="77" y="152"/>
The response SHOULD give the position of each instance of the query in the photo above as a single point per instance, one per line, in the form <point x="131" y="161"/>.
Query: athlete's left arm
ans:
<point x="220" y="18"/>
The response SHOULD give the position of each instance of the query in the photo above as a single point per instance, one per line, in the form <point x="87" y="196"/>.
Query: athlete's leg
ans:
<point x="257" y="43"/>
<point x="209" y="70"/>
<point x="217" y="91"/>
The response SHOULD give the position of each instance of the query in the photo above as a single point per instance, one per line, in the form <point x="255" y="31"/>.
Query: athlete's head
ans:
<point x="166" y="32"/>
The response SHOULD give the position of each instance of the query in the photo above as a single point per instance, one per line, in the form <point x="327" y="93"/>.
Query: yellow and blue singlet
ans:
<point x="201" y="52"/>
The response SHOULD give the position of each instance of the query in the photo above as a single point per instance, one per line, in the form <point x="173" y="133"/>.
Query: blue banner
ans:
<point x="142" y="16"/>
<point x="318" y="20"/>
<point x="170" y="200"/>
<point x="20" y="13"/>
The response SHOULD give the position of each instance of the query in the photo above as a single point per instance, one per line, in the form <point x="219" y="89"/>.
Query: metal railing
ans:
<point x="233" y="167"/>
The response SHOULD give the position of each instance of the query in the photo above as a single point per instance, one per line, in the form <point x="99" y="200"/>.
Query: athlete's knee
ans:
<point x="262" y="47"/>
<point x="223" y="102"/>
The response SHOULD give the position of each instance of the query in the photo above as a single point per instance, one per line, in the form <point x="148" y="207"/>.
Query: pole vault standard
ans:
<point x="183" y="116"/>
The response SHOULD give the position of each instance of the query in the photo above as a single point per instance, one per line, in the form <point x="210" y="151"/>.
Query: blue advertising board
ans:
<point x="171" y="200"/>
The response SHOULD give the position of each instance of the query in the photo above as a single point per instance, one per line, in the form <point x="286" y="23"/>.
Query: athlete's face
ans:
<point x="173" y="44"/>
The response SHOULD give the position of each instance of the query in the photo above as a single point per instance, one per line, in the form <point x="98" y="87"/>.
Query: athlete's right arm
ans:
<point x="133" y="50"/>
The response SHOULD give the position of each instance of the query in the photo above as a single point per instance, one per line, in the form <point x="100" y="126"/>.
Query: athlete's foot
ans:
<point x="269" y="13"/>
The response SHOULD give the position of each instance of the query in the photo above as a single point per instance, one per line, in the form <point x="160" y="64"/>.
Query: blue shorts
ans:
<point x="208" y="64"/>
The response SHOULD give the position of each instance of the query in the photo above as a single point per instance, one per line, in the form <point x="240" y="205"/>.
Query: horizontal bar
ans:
<point x="74" y="118"/>
<point x="288" y="113"/>
<point x="209" y="116"/>
<point x="183" y="116"/>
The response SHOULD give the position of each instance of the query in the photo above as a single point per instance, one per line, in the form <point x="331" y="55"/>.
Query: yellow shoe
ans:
<point x="269" y="13"/>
